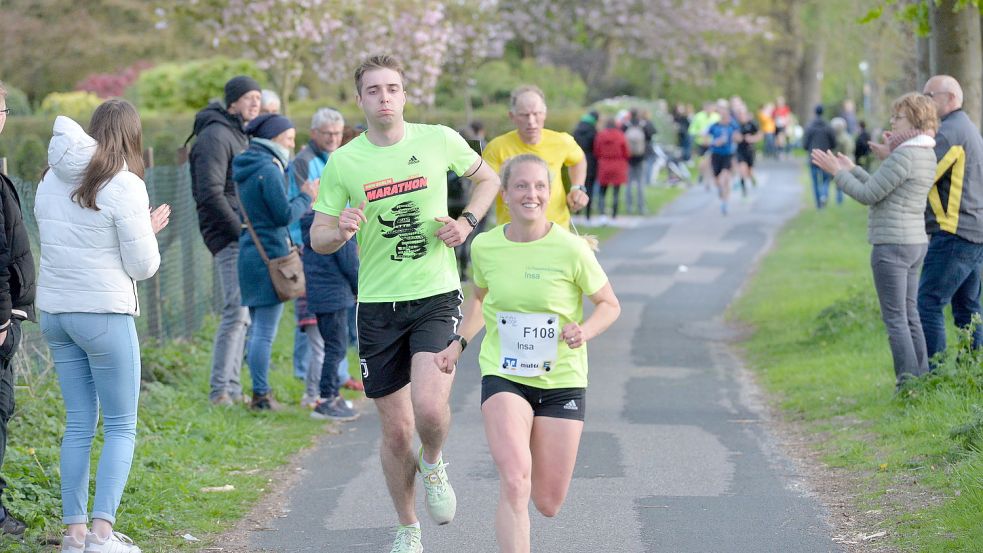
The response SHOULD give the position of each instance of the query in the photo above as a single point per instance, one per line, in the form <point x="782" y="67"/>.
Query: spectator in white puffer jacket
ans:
<point x="97" y="240"/>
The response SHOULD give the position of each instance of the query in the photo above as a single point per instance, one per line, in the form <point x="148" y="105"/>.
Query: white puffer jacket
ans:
<point x="91" y="260"/>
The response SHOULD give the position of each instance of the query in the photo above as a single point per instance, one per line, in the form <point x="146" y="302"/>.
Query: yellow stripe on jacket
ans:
<point x="948" y="217"/>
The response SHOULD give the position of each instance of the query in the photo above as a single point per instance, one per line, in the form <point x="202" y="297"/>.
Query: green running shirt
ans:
<point x="549" y="276"/>
<point x="405" y="186"/>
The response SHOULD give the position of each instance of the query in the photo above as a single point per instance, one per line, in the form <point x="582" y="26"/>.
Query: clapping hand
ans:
<point x="311" y="188"/>
<point x="831" y="163"/>
<point x="160" y="217"/>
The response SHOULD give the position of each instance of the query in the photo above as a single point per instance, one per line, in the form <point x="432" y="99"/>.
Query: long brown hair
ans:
<point x="115" y="126"/>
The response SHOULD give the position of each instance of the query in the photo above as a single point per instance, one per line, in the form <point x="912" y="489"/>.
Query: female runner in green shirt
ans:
<point x="530" y="276"/>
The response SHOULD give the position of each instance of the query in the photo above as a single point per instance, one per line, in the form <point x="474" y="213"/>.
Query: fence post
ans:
<point x="154" y="316"/>
<point x="186" y="226"/>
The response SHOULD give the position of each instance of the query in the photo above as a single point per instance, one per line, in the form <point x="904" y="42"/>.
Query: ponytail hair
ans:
<point x="115" y="126"/>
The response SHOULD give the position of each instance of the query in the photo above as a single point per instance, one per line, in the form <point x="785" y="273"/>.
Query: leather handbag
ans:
<point x="287" y="272"/>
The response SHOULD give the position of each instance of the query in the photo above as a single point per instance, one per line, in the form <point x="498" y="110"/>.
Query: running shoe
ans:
<point x="334" y="409"/>
<point x="115" y="543"/>
<point x="407" y="540"/>
<point x="72" y="545"/>
<point x="309" y="402"/>
<point x="441" y="501"/>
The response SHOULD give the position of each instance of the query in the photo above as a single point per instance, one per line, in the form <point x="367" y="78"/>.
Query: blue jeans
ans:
<point x="950" y="275"/>
<point x="820" y="185"/>
<point x="333" y="327"/>
<point x="302" y="353"/>
<point x="265" y="319"/>
<point x="230" y="339"/>
<point x="97" y="357"/>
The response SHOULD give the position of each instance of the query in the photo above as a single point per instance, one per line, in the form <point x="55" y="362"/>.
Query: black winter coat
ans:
<point x="220" y="137"/>
<point x="819" y="135"/>
<point x="18" y="276"/>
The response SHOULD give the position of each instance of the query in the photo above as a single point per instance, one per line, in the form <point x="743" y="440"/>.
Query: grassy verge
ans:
<point x="820" y="348"/>
<point x="184" y="446"/>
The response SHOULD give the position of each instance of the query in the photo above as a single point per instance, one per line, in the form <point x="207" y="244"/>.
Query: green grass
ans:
<point x="183" y="445"/>
<point x="821" y="350"/>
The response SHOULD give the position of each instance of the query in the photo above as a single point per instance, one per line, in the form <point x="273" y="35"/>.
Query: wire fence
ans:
<point x="175" y="302"/>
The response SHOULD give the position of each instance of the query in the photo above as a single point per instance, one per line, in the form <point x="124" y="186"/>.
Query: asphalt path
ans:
<point x="677" y="453"/>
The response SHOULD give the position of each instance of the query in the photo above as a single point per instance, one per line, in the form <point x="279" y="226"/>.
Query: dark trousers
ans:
<point x="950" y="275"/>
<point x="7" y="351"/>
<point x="333" y="327"/>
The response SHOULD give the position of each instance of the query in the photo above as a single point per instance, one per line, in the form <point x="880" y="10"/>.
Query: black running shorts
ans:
<point x="720" y="162"/>
<point x="558" y="403"/>
<point x="746" y="155"/>
<point x="389" y="334"/>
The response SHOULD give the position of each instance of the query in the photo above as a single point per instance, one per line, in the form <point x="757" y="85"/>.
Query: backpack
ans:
<point x="636" y="140"/>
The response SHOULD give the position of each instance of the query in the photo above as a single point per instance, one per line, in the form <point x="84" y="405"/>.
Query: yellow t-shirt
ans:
<point x="549" y="276"/>
<point x="556" y="148"/>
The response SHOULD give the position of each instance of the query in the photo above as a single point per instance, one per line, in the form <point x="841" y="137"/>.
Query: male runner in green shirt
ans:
<point x="394" y="180"/>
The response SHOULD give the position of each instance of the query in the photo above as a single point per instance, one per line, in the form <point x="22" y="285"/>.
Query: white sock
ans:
<point x="429" y="466"/>
<point x="414" y="525"/>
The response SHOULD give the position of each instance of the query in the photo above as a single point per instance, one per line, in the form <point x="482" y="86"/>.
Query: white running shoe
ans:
<point x="71" y="545"/>
<point x="115" y="543"/>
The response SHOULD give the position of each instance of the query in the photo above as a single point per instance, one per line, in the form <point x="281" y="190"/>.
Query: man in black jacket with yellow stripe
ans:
<point x="953" y="219"/>
<point x="17" y="285"/>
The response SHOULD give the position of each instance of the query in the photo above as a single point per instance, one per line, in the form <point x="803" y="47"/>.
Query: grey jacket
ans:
<point x="955" y="204"/>
<point x="896" y="192"/>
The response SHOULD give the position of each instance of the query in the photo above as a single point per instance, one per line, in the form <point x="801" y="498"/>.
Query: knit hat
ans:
<point x="819" y="109"/>
<point x="237" y="87"/>
<point x="268" y="126"/>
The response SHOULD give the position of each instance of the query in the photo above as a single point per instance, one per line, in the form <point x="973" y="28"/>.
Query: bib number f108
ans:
<point x="528" y="343"/>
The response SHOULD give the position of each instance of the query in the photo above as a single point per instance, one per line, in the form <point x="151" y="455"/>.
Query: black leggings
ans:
<point x="615" y="192"/>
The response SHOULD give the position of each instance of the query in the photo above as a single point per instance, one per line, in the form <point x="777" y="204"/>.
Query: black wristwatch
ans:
<point x="458" y="338"/>
<point x="470" y="218"/>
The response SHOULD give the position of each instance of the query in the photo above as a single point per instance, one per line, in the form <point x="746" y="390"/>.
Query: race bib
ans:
<point x="528" y="342"/>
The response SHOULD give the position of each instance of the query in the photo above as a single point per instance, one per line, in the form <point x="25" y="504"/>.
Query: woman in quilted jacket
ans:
<point x="98" y="238"/>
<point x="897" y="194"/>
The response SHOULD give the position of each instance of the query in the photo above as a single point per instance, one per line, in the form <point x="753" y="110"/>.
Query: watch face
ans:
<point x="472" y="220"/>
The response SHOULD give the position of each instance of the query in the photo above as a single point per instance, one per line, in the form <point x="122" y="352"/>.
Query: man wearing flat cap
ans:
<point x="220" y="137"/>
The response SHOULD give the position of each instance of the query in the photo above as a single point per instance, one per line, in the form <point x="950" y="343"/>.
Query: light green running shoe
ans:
<point x="441" y="501"/>
<point x="407" y="540"/>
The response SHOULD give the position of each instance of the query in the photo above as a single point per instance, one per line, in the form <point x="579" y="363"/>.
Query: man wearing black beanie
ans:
<point x="220" y="137"/>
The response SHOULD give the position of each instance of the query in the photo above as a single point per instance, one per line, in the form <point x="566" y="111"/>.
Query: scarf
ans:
<point x="900" y="138"/>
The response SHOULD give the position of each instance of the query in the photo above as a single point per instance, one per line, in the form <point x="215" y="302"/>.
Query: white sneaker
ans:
<point x="115" y="543"/>
<point x="71" y="545"/>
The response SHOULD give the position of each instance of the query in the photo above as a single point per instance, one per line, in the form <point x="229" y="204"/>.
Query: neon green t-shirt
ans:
<point x="556" y="149"/>
<point x="405" y="186"/>
<point x="542" y="283"/>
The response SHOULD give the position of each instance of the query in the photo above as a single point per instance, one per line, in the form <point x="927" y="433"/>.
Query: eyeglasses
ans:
<point x="5" y="111"/>
<point x="897" y="117"/>
<point x="933" y="94"/>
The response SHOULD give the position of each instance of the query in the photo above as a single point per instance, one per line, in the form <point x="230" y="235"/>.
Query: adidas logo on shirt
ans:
<point x="571" y="405"/>
<point x="413" y="160"/>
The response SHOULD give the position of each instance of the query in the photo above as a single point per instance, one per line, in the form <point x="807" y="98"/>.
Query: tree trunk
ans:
<point x="811" y="79"/>
<point x="956" y="35"/>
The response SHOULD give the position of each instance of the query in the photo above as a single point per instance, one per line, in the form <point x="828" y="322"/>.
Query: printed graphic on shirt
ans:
<point x="405" y="229"/>
<point x="386" y="188"/>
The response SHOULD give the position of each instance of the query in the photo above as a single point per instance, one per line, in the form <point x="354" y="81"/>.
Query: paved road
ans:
<point x="675" y="456"/>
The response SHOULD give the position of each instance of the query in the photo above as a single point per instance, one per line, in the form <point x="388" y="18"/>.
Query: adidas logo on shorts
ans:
<point x="571" y="405"/>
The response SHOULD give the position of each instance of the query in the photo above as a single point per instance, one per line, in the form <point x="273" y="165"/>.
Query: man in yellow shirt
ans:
<point x="527" y="110"/>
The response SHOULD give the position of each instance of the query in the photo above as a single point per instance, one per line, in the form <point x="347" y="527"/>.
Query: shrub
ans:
<point x="176" y="87"/>
<point x="17" y="102"/>
<point x="30" y="159"/>
<point x="78" y="105"/>
<point x="108" y="85"/>
<point x="496" y="79"/>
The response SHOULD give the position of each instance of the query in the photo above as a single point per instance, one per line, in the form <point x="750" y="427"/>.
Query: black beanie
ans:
<point x="268" y="126"/>
<point x="237" y="87"/>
